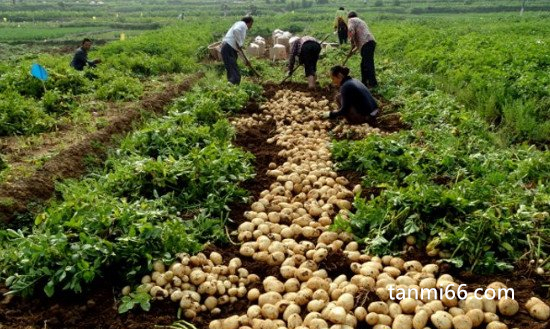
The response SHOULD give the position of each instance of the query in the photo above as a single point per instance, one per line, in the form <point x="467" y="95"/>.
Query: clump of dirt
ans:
<point x="71" y="162"/>
<point x="336" y="264"/>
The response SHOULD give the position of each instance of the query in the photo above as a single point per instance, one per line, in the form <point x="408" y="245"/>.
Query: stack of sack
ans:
<point x="257" y="48"/>
<point x="281" y="48"/>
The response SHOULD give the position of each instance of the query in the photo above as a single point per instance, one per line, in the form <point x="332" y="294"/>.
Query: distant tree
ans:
<point x="322" y="1"/>
<point x="267" y="1"/>
<point x="379" y="3"/>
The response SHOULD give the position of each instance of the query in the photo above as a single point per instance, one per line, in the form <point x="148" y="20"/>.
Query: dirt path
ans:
<point x="17" y="193"/>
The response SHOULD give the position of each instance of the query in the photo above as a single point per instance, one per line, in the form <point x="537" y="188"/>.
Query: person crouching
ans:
<point x="355" y="101"/>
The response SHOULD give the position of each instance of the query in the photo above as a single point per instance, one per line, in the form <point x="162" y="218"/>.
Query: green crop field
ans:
<point x="148" y="192"/>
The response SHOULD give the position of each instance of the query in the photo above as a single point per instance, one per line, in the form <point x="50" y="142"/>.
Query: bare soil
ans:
<point x="71" y="162"/>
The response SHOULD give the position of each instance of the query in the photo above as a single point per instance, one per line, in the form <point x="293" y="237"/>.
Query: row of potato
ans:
<point x="288" y="227"/>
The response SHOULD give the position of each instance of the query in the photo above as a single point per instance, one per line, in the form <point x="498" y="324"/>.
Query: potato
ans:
<point x="378" y="307"/>
<point x="489" y="305"/>
<point x="476" y="316"/>
<point x="372" y="318"/>
<point x="471" y="302"/>
<point x="337" y="315"/>
<point x="532" y="301"/>
<point x="462" y="322"/>
<point x="408" y="305"/>
<point x="395" y="310"/>
<point x="420" y="319"/>
<point x="455" y="311"/>
<point x="402" y="321"/>
<point x="442" y="320"/>
<point x="540" y="311"/>
<point x="496" y="325"/>
<point x="508" y="306"/>
<point x="490" y="317"/>
<point x="360" y="313"/>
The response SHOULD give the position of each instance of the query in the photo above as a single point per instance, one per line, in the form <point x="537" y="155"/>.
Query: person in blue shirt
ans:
<point x="80" y="58"/>
<point x="356" y="102"/>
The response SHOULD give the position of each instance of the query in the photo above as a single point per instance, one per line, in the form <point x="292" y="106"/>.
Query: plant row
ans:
<point x="447" y="185"/>
<point x="165" y="190"/>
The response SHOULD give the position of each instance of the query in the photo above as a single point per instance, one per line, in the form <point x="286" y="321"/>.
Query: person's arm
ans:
<point x="346" y="104"/>
<point x="293" y="54"/>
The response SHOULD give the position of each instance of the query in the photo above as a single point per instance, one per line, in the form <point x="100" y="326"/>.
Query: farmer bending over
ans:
<point x="355" y="101"/>
<point x="232" y="43"/>
<point x="80" y="58"/>
<point x="307" y="50"/>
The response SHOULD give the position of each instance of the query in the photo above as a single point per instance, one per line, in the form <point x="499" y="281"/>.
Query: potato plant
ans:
<point x="147" y="202"/>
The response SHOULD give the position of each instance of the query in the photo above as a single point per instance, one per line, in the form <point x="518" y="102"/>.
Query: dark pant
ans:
<point x="229" y="57"/>
<point x="354" y="117"/>
<point x="309" y="55"/>
<point x="343" y="35"/>
<point x="368" y="74"/>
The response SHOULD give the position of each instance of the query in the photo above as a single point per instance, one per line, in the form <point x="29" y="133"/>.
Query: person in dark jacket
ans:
<point x="356" y="102"/>
<point x="80" y="58"/>
<point x="307" y="49"/>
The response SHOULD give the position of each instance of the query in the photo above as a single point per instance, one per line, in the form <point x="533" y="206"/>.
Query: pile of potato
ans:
<point x="198" y="283"/>
<point x="288" y="227"/>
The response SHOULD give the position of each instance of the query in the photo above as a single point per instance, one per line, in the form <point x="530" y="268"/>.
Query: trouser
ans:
<point x="368" y="74"/>
<point x="229" y="57"/>
<point x="343" y="36"/>
<point x="309" y="55"/>
<point x="354" y="117"/>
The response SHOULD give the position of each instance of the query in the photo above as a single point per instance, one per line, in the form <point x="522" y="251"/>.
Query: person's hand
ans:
<point x="325" y="115"/>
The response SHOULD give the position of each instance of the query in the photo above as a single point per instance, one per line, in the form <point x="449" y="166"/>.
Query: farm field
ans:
<point x="150" y="193"/>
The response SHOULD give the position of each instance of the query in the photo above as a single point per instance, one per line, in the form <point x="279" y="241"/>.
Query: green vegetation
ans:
<point x="469" y="180"/>
<point x="499" y="69"/>
<point x="164" y="191"/>
<point x="448" y="183"/>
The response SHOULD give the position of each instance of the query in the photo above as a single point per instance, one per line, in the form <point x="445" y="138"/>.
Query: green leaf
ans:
<point x="49" y="288"/>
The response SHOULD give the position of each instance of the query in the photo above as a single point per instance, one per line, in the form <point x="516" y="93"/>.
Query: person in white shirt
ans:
<point x="232" y="43"/>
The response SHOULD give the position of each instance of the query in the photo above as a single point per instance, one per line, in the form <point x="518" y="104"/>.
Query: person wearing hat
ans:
<point x="232" y="43"/>
<point x="363" y="40"/>
<point x="355" y="101"/>
<point x="307" y="49"/>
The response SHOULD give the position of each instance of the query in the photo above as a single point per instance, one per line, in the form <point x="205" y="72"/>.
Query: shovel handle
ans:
<point x="248" y="64"/>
